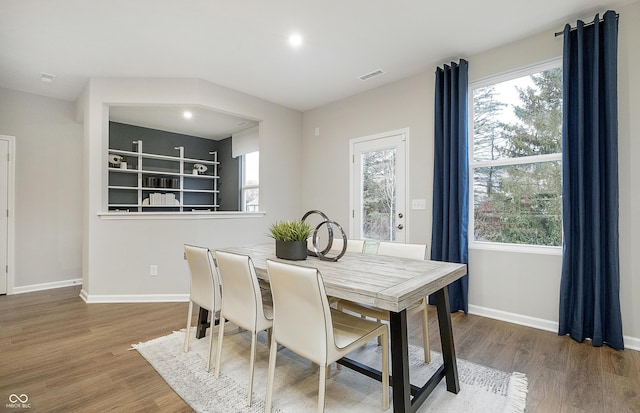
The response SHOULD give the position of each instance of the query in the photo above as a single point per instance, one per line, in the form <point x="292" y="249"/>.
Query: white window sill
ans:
<point x="181" y="215"/>
<point x="517" y="248"/>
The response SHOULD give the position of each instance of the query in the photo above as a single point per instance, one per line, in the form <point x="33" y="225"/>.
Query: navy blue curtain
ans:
<point x="451" y="176"/>
<point x="590" y="284"/>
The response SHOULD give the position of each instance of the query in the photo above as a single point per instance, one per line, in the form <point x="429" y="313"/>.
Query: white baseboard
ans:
<point x="522" y="320"/>
<point x="133" y="298"/>
<point x="632" y="343"/>
<point x="46" y="286"/>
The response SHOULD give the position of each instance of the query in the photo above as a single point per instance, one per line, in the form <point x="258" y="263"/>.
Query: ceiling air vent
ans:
<point x="372" y="74"/>
<point x="47" y="77"/>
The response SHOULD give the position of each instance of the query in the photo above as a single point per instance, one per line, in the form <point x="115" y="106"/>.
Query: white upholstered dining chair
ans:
<point x="304" y="323"/>
<point x="395" y="249"/>
<point x="205" y="289"/>
<point x="242" y="304"/>
<point x="353" y="245"/>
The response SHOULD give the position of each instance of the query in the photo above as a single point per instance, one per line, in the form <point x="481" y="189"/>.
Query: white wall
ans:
<point x="529" y="285"/>
<point x="515" y="283"/>
<point x="48" y="187"/>
<point x="518" y="287"/>
<point x="629" y="167"/>
<point x="399" y="105"/>
<point x="118" y="252"/>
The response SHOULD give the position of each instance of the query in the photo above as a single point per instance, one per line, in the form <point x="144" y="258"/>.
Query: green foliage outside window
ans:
<point x="378" y="195"/>
<point x="516" y="201"/>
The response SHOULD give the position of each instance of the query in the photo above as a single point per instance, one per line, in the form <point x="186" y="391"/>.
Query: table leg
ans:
<point x="446" y="339"/>
<point x="400" y="362"/>
<point x="203" y="322"/>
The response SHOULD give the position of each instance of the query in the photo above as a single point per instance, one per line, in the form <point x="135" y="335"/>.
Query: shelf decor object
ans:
<point x="199" y="168"/>
<point x="153" y="182"/>
<point x="114" y="160"/>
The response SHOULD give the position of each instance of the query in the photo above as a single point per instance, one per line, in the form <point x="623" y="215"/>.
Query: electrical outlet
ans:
<point x="153" y="270"/>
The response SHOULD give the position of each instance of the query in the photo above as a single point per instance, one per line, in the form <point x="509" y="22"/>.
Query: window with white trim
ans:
<point x="250" y="182"/>
<point x="515" y="157"/>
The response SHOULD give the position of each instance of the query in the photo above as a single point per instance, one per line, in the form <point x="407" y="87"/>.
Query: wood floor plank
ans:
<point x="69" y="356"/>
<point x="621" y="394"/>
<point x="549" y="385"/>
<point x="584" y="384"/>
<point x="564" y="376"/>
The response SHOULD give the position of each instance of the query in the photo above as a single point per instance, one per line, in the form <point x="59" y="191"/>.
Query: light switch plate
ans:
<point x="418" y="204"/>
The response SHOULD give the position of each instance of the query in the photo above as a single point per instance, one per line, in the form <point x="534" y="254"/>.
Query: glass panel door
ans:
<point x="378" y="188"/>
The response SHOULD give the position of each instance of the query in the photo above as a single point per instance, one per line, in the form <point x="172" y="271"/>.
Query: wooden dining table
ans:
<point x="392" y="284"/>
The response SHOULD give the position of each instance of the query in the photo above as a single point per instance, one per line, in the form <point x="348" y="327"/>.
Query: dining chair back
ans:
<point x="242" y="304"/>
<point x="396" y="249"/>
<point x="304" y="323"/>
<point x="353" y="245"/>
<point x="298" y="305"/>
<point x="204" y="291"/>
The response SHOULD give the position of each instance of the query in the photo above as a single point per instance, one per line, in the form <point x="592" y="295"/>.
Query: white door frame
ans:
<point x="352" y="143"/>
<point x="11" y="173"/>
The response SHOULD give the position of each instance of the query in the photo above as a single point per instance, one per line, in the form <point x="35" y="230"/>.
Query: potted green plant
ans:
<point x="291" y="239"/>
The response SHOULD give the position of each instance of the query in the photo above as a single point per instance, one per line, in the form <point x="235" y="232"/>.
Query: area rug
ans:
<point x="482" y="389"/>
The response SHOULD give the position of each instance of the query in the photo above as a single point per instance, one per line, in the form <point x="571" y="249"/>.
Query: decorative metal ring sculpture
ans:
<point x="321" y="254"/>
<point x="329" y="230"/>
<point x="329" y="223"/>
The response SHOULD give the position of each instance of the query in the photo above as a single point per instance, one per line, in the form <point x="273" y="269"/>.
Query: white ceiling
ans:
<point x="243" y="44"/>
<point x="204" y="123"/>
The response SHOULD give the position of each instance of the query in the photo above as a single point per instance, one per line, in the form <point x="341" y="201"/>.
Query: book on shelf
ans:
<point x="158" y="198"/>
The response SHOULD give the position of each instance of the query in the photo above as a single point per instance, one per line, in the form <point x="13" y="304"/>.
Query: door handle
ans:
<point x="400" y="226"/>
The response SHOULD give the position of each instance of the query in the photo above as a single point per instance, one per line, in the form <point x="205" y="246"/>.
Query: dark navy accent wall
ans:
<point x="121" y="136"/>
<point x="229" y="183"/>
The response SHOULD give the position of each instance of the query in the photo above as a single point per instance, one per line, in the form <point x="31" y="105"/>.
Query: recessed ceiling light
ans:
<point x="295" y="40"/>
<point x="187" y="114"/>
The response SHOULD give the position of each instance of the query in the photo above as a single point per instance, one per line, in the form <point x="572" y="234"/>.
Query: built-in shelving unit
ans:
<point x="162" y="183"/>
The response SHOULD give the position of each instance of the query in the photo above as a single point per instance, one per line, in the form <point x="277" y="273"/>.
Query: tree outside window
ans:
<point x="516" y="163"/>
<point x="378" y="194"/>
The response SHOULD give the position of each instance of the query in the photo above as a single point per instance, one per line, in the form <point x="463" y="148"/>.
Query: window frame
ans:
<point x="473" y="164"/>
<point x="243" y="186"/>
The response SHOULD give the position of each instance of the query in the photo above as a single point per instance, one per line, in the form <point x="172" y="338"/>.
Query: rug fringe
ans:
<point x="517" y="393"/>
<point x="155" y="340"/>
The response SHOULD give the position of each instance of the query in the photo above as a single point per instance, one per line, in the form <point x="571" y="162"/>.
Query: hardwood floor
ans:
<point x="69" y="356"/>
